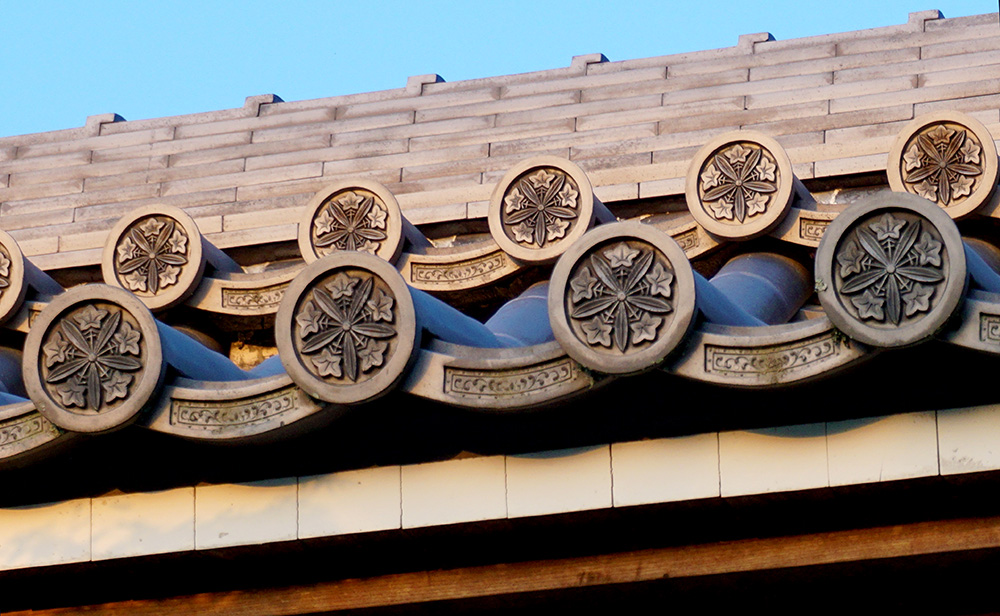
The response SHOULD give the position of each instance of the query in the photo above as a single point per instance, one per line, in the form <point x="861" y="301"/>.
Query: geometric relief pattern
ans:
<point x="989" y="328"/>
<point x="812" y="230"/>
<point x="150" y="254"/>
<point x="91" y="357"/>
<point x="351" y="220"/>
<point x="346" y="327"/>
<point x="540" y="207"/>
<point x="890" y="267"/>
<point x="943" y="163"/>
<point x="737" y="182"/>
<point x="620" y="296"/>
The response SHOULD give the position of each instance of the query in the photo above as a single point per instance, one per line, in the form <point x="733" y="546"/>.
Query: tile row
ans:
<point x="832" y="101"/>
<point x="713" y="465"/>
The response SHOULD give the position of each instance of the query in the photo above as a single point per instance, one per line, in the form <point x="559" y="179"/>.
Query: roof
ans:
<point x="834" y="102"/>
<point x="720" y="239"/>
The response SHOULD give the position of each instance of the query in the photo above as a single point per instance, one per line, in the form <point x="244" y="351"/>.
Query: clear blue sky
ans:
<point x="64" y="61"/>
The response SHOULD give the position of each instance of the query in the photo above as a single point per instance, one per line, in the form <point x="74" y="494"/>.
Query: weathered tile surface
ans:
<point x="349" y="502"/>
<point x="245" y="514"/>
<point x="773" y="460"/>
<point x="969" y="439"/>
<point x="127" y="525"/>
<point x="49" y="534"/>
<point x="559" y="481"/>
<point x="462" y="490"/>
<point x="665" y="470"/>
<point x="882" y="448"/>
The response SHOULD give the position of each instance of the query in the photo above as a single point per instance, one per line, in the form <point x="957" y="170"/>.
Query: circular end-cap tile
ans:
<point x="739" y="185"/>
<point x="890" y="270"/>
<point x="156" y="253"/>
<point x="93" y="359"/>
<point x="354" y="214"/>
<point x="12" y="277"/>
<point x="622" y="298"/>
<point x="346" y="328"/>
<point x="540" y="208"/>
<point x="948" y="158"/>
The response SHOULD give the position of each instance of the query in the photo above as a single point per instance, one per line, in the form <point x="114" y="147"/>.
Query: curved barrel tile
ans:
<point x="622" y="298"/>
<point x="20" y="282"/>
<point x="891" y="270"/>
<point x="26" y="435"/>
<point x="497" y="379"/>
<point x="237" y="294"/>
<point x="452" y="270"/>
<point x="232" y="411"/>
<point x="768" y="286"/>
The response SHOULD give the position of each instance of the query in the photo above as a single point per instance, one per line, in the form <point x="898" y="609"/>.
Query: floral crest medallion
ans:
<point x="150" y="255"/>
<point x="889" y="268"/>
<point x="739" y="185"/>
<point x="91" y="357"/>
<point x="346" y="327"/>
<point x="946" y="157"/>
<point x="346" y="330"/>
<point x="738" y="181"/>
<point x="5" y="267"/>
<point x="350" y="220"/>
<point x="944" y="163"/>
<point x="540" y="207"/>
<point x="620" y="296"/>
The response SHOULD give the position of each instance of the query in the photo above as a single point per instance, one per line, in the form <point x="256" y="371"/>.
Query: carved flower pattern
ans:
<point x="4" y="272"/>
<point x="89" y="357"/>
<point x="150" y="255"/>
<point x="540" y="206"/>
<point x="941" y="163"/>
<point x="344" y="326"/>
<point x="350" y="221"/>
<point x="891" y="268"/>
<point x="736" y="183"/>
<point x="619" y="303"/>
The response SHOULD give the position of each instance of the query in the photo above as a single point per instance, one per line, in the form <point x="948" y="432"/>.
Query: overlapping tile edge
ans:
<point x="635" y="125"/>
<point x="712" y="465"/>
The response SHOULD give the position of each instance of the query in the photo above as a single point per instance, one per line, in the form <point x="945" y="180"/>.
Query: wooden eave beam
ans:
<point x="953" y="537"/>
